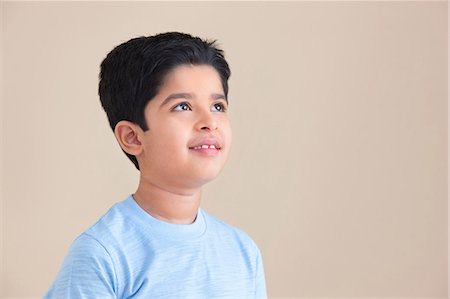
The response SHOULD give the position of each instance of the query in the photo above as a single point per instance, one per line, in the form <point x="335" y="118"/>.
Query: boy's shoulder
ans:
<point x="224" y="230"/>
<point x="219" y="224"/>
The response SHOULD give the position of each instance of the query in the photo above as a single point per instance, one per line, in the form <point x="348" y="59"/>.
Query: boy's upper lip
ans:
<point x="209" y="140"/>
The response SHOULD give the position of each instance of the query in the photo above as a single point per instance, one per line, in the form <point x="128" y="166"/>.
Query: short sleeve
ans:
<point x="87" y="272"/>
<point x="260" y="281"/>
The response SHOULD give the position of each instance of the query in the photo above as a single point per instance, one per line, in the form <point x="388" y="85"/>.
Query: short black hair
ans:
<point x="133" y="72"/>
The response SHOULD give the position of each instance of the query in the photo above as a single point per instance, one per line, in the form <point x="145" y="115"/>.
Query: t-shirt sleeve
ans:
<point x="260" y="281"/>
<point x="87" y="272"/>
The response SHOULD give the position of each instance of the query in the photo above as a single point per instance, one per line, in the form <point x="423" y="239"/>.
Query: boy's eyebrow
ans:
<point x="185" y="95"/>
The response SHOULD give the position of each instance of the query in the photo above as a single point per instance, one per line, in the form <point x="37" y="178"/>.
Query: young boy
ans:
<point x="166" y="100"/>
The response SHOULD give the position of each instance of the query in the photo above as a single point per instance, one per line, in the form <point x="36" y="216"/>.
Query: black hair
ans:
<point x="133" y="72"/>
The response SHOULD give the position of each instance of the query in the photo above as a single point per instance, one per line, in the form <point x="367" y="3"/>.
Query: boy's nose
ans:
<point x="206" y="121"/>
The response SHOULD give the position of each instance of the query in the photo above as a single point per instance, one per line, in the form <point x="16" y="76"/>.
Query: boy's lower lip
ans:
<point x="206" y="151"/>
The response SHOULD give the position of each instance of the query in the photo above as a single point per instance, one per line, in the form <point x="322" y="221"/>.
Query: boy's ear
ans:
<point x="127" y="135"/>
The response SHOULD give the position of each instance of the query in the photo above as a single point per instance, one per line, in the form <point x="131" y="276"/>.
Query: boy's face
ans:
<point x="177" y="123"/>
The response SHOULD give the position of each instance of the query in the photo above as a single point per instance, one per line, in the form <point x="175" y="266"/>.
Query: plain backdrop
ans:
<point x="338" y="168"/>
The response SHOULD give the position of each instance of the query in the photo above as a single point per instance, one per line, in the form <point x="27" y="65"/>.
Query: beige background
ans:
<point x="338" y="168"/>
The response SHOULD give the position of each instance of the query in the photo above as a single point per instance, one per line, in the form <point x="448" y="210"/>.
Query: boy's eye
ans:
<point x="184" y="107"/>
<point x="220" y="107"/>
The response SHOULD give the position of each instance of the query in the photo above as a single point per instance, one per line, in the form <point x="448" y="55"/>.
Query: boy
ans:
<point x="166" y="100"/>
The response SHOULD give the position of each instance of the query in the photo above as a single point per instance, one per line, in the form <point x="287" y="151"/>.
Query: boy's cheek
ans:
<point x="228" y="132"/>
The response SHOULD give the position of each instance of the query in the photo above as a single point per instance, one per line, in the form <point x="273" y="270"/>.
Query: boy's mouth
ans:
<point x="206" y="150"/>
<point x="206" y="146"/>
<point x="206" y="143"/>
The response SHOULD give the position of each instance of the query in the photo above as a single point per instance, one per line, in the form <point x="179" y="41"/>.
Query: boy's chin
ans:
<point x="200" y="180"/>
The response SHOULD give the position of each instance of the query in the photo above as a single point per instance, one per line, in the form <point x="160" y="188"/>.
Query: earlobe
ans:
<point x="127" y="136"/>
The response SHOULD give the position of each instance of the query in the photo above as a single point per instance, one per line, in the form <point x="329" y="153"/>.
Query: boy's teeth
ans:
<point x="204" y="146"/>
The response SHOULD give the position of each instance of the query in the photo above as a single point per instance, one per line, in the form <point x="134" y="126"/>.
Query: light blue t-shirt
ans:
<point x="128" y="253"/>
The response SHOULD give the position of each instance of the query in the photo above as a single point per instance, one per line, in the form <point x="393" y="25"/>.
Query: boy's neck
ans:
<point x="167" y="205"/>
